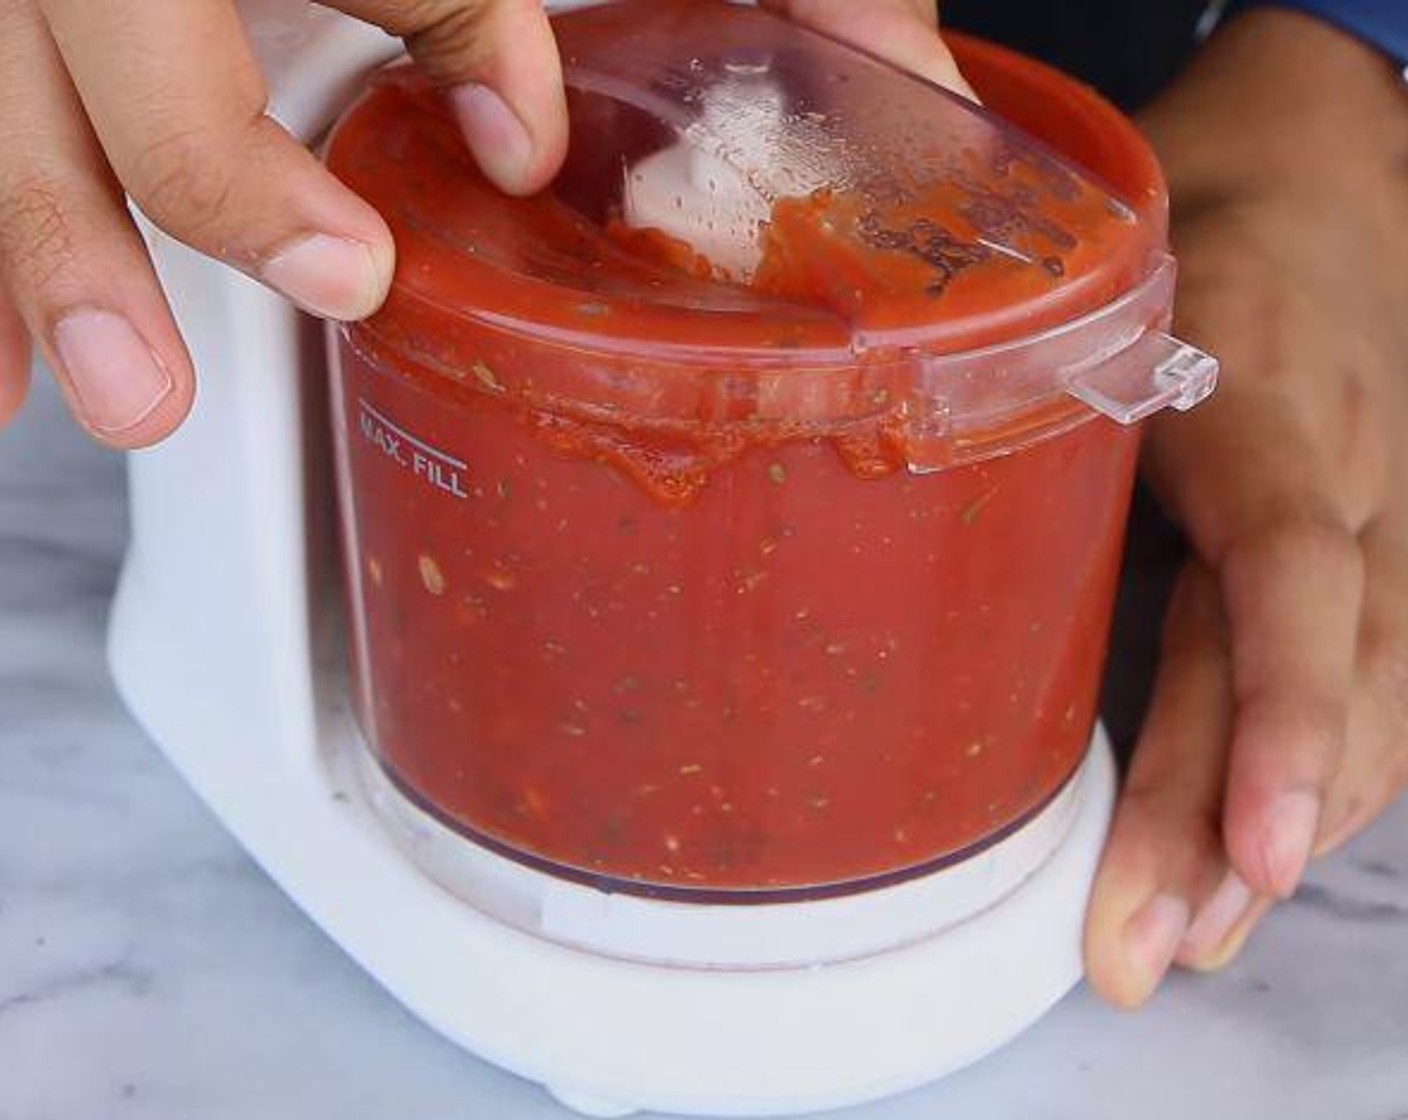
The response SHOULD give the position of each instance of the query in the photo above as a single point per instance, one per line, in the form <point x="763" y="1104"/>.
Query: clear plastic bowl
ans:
<point x="739" y="519"/>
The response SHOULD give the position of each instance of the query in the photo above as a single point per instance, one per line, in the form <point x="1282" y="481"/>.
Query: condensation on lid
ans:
<point x="818" y="173"/>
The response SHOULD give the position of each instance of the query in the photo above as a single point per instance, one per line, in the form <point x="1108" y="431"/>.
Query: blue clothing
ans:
<point x="1132" y="49"/>
<point x="1380" y="23"/>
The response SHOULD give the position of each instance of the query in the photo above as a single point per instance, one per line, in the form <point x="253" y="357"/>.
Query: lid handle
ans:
<point x="1157" y="371"/>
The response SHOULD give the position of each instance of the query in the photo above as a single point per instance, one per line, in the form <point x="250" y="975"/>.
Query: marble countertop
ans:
<point x="149" y="971"/>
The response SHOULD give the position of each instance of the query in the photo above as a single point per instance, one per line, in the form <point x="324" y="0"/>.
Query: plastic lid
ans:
<point x="748" y="197"/>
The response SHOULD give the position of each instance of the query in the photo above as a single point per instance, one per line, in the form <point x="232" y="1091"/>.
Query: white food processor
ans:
<point x="661" y="647"/>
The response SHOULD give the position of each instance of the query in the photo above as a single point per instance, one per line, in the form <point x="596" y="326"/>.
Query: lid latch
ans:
<point x="1155" y="372"/>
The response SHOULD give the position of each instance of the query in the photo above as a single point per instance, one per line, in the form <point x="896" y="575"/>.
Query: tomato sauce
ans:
<point x="646" y="595"/>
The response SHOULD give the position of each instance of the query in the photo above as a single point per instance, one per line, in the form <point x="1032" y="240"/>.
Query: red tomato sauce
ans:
<point x="621" y="633"/>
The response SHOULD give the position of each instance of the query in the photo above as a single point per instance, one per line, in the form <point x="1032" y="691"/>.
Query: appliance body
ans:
<point x="225" y="642"/>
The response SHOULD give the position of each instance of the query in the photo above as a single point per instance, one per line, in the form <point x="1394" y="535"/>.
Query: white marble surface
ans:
<point x="149" y="972"/>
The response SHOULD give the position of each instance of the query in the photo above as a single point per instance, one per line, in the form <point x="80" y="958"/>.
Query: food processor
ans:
<point x="661" y="645"/>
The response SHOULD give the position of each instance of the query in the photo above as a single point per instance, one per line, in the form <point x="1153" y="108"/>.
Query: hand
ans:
<point x="1279" y="722"/>
<point x="163" y="100"/>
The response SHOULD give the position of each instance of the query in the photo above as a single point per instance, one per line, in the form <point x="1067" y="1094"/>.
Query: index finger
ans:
<point x="178" y="103"/>
<point x="498" y="63"/>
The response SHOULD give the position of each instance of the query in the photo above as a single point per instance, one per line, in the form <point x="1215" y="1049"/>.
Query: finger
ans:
<point x="1247" y="480"/>
<point x="900" y="31"/>
<point x="178" y="103"/>
<point x="71" y="262"/>
<point x="1293" y="590"/>
<point x="1163" y="863"/>
<point x="1222" y="926"/>
<point x="14" y="361"/>
<point x="1374" y="771"/>
<point x="498" y="63"/>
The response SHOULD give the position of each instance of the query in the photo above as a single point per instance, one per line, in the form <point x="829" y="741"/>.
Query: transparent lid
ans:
<point x="831" y="237"/>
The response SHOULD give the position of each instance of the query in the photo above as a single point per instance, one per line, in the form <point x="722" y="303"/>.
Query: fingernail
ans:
<point x="1216" y="920"/>
<point x="335" y="277"/>
<point x="1153" y="935"/>
<point x="496" y="136"/>
<point x="116" y="377"/>
<point x="1287" y="837"/>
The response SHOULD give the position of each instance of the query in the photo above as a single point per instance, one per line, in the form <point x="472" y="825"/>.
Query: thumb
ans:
<point x="498" y="63"/>
<point x="902" y="32"/>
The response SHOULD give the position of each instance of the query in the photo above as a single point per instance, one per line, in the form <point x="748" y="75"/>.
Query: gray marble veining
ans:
<point x="149" y="972"/>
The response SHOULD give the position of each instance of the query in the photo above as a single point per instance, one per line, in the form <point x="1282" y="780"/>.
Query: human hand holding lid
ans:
<point x="162" y="99"/>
